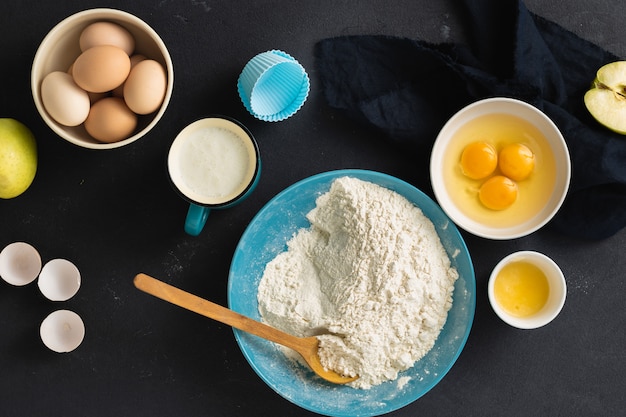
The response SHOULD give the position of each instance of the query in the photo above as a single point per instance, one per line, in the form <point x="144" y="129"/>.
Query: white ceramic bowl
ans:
<point x="60" y="48"/>
<point x="556" y="284"/>
<point x="486" y="228"/>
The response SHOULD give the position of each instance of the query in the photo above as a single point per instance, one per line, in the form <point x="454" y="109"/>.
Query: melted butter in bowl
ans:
<point x="527" y="290"/>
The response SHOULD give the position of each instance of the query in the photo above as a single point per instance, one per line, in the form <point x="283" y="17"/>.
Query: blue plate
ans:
<point x="267" y="236"/>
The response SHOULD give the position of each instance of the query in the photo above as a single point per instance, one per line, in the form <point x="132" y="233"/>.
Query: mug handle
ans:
<point x="196" y="218"/>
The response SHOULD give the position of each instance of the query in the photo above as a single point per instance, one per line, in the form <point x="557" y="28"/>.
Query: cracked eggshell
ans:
<point x="59" y="280"/>
<point x="20" y="263"/>
<point x="62" y="331"/>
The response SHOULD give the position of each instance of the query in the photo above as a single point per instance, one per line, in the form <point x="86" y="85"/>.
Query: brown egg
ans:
<point x="101" y="68"/>
<point x="144" y="89"/>
<point x="93" y="97"/>
<point x="134" y="60"/>
<point x="107" y="33"/>
<point x="110" y="120"/>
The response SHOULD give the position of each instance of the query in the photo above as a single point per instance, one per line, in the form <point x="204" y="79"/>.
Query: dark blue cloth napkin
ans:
<point x="409" y="88"/>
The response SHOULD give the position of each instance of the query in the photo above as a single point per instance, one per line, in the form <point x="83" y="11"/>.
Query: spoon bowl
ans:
<point x="307" y="347"/>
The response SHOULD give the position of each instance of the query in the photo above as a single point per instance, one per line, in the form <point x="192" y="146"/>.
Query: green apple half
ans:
<point x="606" y="100"/>
<point x="18" y="158"/>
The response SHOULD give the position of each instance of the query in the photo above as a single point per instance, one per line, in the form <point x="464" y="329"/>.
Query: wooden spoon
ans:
<point x="307" y="347"/>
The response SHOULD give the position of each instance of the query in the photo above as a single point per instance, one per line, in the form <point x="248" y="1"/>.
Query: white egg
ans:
<point x="20" y="263"/>
<point x="63" y="99"/>
<point x="62" y="331"/>
<point x="59" y="280"/>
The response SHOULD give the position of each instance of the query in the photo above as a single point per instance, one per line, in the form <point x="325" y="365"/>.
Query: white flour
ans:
<point x="372" y="272"/>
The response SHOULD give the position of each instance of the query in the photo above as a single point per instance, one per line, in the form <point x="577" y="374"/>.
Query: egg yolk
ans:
<point x="521" y="289"/>
<point x="516" y="161"/>
<point x="479" y="160"/>
<point x="498" y="193"/>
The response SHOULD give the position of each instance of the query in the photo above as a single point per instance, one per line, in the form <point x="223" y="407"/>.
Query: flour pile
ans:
<point x="371" y="272"/>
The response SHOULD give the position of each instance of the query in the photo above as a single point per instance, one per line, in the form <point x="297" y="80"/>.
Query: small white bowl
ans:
<point x="487" y="228"/>
<point x="20" y="263"/>
<point x="62" y="331"/>
<point x="60" y="48"/>
<point x="556" y="297"/>
<point x="59" y="280"/>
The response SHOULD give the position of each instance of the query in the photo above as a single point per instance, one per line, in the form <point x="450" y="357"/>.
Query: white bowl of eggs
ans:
<point x="102" y="78"/>
<point x="500" y="168"/>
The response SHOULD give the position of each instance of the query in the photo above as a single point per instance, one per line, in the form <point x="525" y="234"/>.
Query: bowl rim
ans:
<point x="114" y="15"/>
<point x="557" y="143"/>
<point x="546" y="264"/>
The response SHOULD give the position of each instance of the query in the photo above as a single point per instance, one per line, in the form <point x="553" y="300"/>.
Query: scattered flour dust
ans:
<point x="370" y="275"/>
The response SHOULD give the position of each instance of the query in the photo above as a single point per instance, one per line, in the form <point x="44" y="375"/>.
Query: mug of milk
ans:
<point x="214" y="163"/>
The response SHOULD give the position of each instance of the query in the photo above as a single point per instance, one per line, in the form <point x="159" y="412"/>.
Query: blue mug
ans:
<point x="213" y="163"/>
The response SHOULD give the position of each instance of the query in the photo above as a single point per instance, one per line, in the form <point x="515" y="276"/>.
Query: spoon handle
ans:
<point x="211" y="310"/>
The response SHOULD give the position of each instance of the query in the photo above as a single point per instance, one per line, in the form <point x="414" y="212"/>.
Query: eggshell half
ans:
<point x="59" y="280"/>
<point x="20" y="263"/>
<point x="62" y="331"/>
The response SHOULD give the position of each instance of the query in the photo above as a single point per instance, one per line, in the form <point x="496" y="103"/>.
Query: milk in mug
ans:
<point x="213" y="164"/>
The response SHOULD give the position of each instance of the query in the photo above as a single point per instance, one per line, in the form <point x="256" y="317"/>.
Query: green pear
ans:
<point x="606" y="100"/>
<point x="18" y="158"/>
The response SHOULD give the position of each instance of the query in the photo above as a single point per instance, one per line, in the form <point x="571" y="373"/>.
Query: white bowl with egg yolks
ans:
<point x="527" y="289"/>
<point x="501" y="122"/>
<point x="60" y="48"/>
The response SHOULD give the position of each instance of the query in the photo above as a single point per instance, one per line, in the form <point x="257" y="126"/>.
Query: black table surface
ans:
<point x="114" y="214"/>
